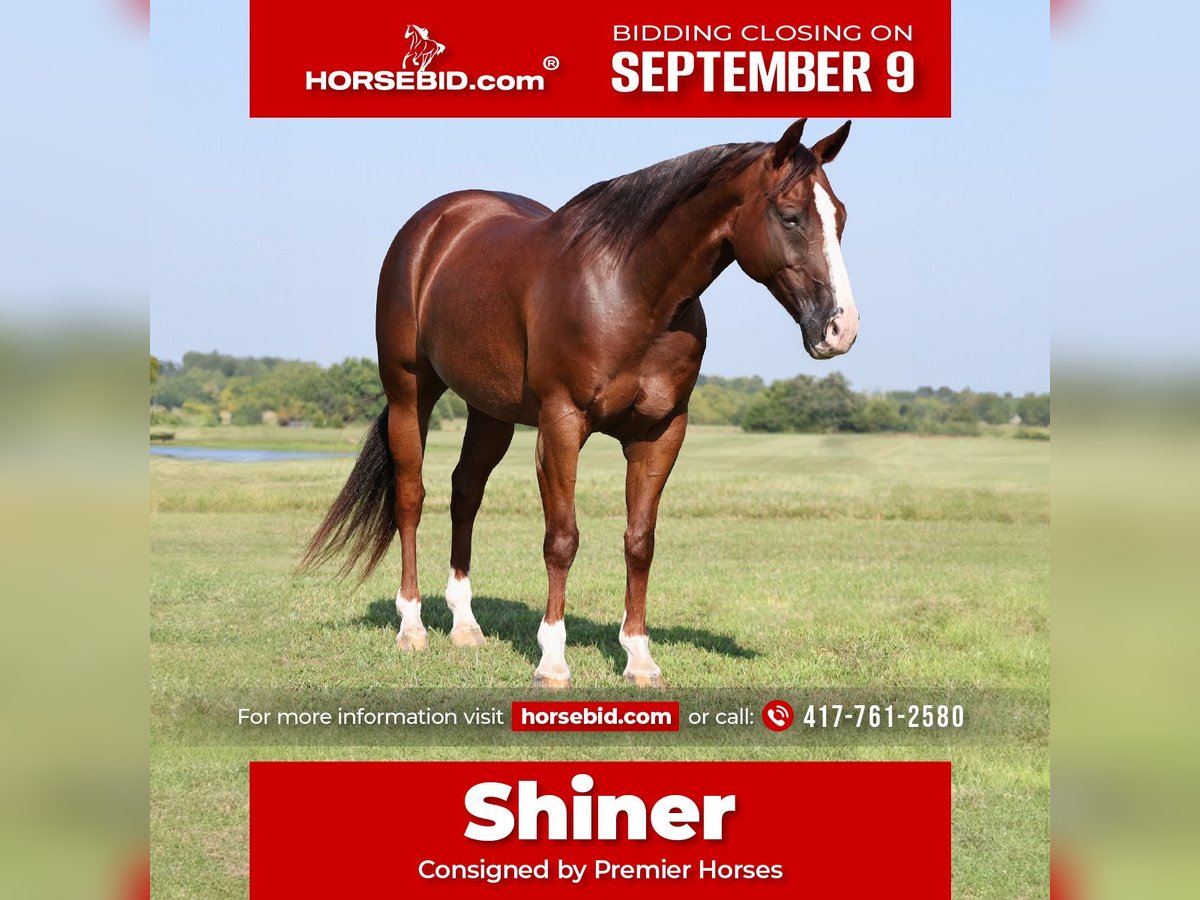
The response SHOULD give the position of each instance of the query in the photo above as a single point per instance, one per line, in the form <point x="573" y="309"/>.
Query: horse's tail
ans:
<point x="362" y="519"/>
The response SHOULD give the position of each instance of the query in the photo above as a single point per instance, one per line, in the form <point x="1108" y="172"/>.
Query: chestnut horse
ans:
<point x="582" y="320"/>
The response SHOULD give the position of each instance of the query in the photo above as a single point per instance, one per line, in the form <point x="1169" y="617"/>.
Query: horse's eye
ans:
<point x="790" y="219"/>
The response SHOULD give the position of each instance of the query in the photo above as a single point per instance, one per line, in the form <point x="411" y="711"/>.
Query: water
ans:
<point x="210" y="454"/>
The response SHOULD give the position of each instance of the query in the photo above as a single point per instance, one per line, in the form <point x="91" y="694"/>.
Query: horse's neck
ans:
<point x="691" y="248"/>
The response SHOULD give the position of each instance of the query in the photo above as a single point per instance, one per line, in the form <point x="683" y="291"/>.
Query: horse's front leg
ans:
<point x="561" y="432"/>
<point x="649" y="464"/>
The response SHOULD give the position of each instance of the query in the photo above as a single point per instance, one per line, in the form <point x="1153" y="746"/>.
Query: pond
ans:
<point x="212" y="454"/>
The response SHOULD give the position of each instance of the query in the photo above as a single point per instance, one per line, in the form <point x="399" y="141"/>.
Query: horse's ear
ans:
<point x="827" y="147"/>
<point x="785" y="147"/>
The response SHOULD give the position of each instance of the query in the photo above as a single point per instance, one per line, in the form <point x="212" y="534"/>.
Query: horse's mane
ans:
<point x="618" y="214"/>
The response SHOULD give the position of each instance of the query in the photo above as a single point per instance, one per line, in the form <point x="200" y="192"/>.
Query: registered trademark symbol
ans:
<point x="550" y="63"/>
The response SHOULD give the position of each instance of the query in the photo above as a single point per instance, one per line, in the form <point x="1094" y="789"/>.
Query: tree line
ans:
<point x="215" y="388"/>
<point x="830" y="404"/>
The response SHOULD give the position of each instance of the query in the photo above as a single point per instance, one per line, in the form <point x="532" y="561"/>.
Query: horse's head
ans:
<point x="416" y="31"/>
<point x="787" y="236"/>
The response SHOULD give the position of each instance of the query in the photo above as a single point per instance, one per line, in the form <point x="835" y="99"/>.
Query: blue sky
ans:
<point x="73" y="180"/>
<point x="267" y="235"/>
<point x="1125" y="192"/>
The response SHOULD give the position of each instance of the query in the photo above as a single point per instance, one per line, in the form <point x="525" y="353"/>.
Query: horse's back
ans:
<point x="449" y="293"/>
<point x="481" y="204"/>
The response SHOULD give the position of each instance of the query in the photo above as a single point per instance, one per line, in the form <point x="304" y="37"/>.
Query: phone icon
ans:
<point x="778" y="715"/>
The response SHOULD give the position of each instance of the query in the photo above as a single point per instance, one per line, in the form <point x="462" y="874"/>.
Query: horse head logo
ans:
<point x="421" y="48"/>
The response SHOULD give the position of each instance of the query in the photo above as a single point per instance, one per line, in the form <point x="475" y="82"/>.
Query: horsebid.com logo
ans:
<point x="421" y="48"/>
<point x="413" y="75"/>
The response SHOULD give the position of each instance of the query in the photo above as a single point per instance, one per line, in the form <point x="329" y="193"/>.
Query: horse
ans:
<point x="582" y="320"/>
<point x="421" y="50"/>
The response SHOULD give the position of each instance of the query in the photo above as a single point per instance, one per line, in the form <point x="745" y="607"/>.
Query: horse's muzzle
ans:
<point x="839" y="335"/>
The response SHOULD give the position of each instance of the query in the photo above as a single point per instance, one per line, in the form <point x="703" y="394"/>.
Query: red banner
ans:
<point x="582" y="829"/>
<point x="368" y="58"/>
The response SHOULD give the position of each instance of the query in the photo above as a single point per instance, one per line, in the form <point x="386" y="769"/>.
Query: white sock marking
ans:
<point x="458" y="598"/>
<point x="637" y="653"/>
<point x="410" y="614"/>
<point x="552" y="638"/>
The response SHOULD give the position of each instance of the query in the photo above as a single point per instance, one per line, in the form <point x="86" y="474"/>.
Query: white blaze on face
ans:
<point x="839" y="278"/>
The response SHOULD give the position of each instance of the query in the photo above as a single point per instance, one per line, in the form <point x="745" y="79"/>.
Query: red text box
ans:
<point x="367" y="58"/>
<point x="615" y="715"/>
<point x="819" y="829"/>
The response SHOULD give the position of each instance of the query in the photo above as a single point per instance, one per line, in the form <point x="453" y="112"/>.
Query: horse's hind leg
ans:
<point x="409" y="406"/>
<point x="484" y="445"/>
<point x="649" y="464"/>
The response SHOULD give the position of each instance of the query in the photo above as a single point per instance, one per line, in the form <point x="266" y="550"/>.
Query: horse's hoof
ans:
<point x="654" y="680"/>
<point x="551" y="682"/>
<point x="468" y="636"/>
<point x="411" y="641"/>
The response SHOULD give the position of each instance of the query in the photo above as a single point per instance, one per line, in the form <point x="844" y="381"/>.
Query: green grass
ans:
<point x="268" y="437"/>
<point x="783" y="563"/>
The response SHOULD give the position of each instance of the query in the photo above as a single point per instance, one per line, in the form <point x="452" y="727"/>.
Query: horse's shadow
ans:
<point x="517" y="624"/>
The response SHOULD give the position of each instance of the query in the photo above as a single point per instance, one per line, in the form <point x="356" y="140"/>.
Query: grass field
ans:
<point x="783" y="562"/>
